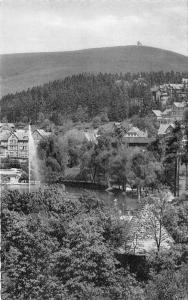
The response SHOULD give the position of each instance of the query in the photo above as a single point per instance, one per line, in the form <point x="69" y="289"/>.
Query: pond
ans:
<point x="124" y="203"/>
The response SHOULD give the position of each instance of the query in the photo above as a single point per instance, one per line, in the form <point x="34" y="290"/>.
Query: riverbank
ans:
<point x="85" y="184"/>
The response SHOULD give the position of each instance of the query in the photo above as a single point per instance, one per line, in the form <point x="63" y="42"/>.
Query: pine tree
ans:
<point x="172" y="158"/>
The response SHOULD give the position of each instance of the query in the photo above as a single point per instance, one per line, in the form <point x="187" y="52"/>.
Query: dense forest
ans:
<point x="84" y="96"/>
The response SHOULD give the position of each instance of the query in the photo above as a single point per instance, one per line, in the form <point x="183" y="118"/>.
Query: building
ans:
<point x="134" y="137"/>
<point x="164" y="117"/>
<point x="18" y="144"/>
<point x="15" y="144"/>
<point x="164" y="99"/>
<point x="170" y="91"/>
<point x="167" y="117"/>
<point x="158" y="115"/>
<point x="156" y="93"/>
<point x="178" y="110"/>
<point x="136" y="132"/>
<point x="170" y="115"/>
<point x="185" y="82"/>
<point x="4" y="135"/>
<point x="7" y="126"/>
<point x="165" y="129"/>
<point x="39" y="134"/>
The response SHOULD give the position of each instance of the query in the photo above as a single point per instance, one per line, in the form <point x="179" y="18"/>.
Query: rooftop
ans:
<point x="158" y="113"/>
<point x="179" y="104"/>
<point x="166" y="111"/>
<point x="163" y="128"/>
<point x="42" y="132"/>
<point x="138" y="133"/>
<point x="21" y="134"/>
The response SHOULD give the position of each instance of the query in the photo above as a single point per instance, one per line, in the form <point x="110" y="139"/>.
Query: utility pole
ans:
<point x="175" y="179"/>
<point x="178" y="173"/>
<point x="186" y="176"/>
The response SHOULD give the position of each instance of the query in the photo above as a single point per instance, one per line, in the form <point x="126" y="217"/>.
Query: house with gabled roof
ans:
<point x="14" y="144"/>
<point x="165" y="129"/>
<point x="135" y="137"/>
<point x="4" y="135"/>
<point x="158" y="114"/>
<point x="163" y="117"/>
<point x="39" y="134"/>
<point x="18" y="144"/>
<point x="136" y="132"/>
<point x="5" y="126"/>
<point x="169" y="115"/>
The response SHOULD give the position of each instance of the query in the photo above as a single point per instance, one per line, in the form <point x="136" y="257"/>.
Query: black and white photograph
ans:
<point x="94" y="149"/>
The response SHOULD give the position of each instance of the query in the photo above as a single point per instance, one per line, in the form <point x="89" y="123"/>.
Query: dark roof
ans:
<point x="138" y="140"/>
<point x="42" y="132"/>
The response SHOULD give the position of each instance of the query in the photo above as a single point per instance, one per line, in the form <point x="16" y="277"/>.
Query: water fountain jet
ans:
<point x="32" y="160"/>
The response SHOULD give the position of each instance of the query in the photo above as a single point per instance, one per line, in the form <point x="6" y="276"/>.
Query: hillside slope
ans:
<point x="20" y="71"/>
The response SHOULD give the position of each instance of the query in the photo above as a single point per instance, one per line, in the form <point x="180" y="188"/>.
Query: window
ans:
<point x="13" y="141"/>
<point x="13" y="147"/>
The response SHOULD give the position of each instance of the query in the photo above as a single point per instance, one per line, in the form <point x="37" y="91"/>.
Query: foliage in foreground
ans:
<point x="58" y="246"/>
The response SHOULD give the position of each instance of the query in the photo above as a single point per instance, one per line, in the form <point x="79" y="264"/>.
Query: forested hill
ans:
<point x="84" y="96"/>
<point x="20" y="71"/>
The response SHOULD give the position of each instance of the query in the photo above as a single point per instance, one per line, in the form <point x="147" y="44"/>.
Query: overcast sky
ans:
<point x="60" y="25"/>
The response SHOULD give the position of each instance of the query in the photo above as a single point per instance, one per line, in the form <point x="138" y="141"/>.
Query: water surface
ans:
<point x="122" y="202"/>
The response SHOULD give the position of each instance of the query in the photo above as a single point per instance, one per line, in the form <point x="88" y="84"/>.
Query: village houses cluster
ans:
<point x="173" y="99"/>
